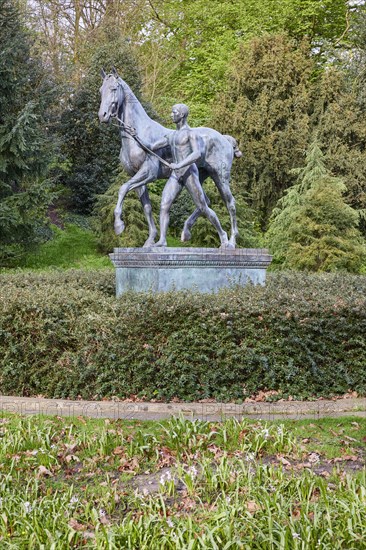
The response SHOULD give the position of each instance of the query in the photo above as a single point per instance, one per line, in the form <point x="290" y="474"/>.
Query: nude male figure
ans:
<point x="186" y="150"/>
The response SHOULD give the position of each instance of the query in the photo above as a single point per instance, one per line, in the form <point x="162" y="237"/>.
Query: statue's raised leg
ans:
<point x="189" y="223"/>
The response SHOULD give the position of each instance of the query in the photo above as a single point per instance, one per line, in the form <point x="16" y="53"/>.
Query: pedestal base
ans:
<point x="199" y="269"/>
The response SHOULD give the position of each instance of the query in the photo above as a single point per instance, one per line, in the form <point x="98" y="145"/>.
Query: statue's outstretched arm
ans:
<point x="163" y="142"/>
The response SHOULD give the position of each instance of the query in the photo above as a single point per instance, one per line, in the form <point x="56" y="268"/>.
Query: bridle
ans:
<point x="130" y="130"/>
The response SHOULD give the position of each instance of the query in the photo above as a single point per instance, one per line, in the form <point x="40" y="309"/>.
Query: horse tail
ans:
<point x="234" y="143"/>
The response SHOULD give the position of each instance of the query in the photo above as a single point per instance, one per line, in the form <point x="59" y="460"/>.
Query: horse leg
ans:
<point x="141" y="178"/>
<point x="223" y="185"/>
<point x="146" y="203"/>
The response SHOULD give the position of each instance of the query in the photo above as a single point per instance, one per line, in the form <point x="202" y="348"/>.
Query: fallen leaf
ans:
<point x="252" y="506"/>
<point x="215" y="450"/>
<point x="74" y="524"/>
<point x="89" y="535"/>
<point x="303" y="465"/>
<point x="314" y="458"/>
<point x="166" y="458"/>
<point x="284" y="461"/>
<point x="118" y="451"/>
<point x="69" y="458"/>
<point x="104" y="520"/>
<point x="129" y="466"/>
<point x="188" y="503"/>
<point x="43" y="471"/>
<point x="243" y="434"/>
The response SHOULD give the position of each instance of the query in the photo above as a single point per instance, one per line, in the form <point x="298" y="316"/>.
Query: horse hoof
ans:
<point x="161" y="243"/>
<point x="226" y="244"/>
<point x="149" y="243"/>
<point x="185" y="236"/>
<point x="119" y="228"/>
<point x="232" y="242"/>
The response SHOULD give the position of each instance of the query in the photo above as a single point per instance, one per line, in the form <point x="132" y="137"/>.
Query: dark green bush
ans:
<point x="64" y="334"/>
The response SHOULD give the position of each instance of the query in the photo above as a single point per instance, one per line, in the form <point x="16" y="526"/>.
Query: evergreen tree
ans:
<point x="312" y="227"/>
<point x="340" y="119"/>
<point x="266" y="107"/>
<point x="24" y="196"/>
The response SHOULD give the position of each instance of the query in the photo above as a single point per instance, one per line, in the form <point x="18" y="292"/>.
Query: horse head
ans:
<point x="112" y="96"/>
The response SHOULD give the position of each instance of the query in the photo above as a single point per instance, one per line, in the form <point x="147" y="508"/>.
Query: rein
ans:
<point x="132" y="132"/>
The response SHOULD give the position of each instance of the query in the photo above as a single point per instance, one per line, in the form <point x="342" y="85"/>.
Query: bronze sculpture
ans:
<point x="214" y="152"/>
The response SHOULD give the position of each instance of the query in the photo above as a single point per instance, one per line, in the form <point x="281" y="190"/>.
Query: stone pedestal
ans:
<point x="198" y="269"/>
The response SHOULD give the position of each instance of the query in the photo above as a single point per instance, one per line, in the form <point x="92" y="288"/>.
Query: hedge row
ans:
<point x="65" y="335"/>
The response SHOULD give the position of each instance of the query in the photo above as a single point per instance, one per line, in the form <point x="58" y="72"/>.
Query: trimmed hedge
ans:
<point x="65" y="335"/>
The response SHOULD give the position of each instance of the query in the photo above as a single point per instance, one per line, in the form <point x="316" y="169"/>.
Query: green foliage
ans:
<point x="340" y="119"/>
<point x="313" y="228"/>
<point x="196" y="42"/>
<point x="63" y="335"/>
<point x="185" y="484"/>
<point x="136" y="228"/>
<point x="24" y="197"/>
<point x="181" y="209"/>
<point x="23" y="220"/>
<point x="266" y="107"/>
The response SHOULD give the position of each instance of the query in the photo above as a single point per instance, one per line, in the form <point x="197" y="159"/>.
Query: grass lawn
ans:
<point x="72" y="247"/>
<point x="178" y="484"/>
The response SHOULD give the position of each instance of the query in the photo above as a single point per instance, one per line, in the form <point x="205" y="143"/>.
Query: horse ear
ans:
<point x="103" y="73"/>
<point x="114" y="71"/>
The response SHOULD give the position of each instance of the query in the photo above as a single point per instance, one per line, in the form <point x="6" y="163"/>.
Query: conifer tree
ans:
<point x="312" y="228"/>
<point x="266" y="106"/>
<point x="23" y="195"/>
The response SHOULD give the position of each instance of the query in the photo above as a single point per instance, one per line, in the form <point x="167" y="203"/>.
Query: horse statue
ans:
<point x="144" y="166"/>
